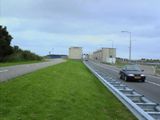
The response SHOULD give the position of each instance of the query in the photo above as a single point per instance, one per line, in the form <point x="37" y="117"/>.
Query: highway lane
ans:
<point x="17" y="70"/>
<point x="150" y="78"/>
<point x="149" y="89"/>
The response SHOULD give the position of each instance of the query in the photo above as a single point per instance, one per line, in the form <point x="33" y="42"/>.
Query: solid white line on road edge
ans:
<point x="117" y="71"/>
<point x="153" y="83"/>
<point x="3" y="71"/>
<point x="106" y="68"/>
<point x="153" y="76"/>
<point x="133" y="107"/>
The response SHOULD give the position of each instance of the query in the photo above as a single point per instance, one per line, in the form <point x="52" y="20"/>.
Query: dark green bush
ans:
<point x="9" y="53"/>
<point x="21" y="55"/>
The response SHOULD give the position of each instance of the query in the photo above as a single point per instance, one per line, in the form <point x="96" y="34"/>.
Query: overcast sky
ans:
<point x="55" y="25"/>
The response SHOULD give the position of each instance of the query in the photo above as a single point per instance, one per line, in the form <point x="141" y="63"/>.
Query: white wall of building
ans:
<point x="75" y="53"/>
<point x="105" y="55"/>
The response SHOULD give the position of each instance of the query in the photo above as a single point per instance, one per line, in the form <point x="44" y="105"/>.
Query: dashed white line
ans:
<point x="107" y="68"/>
<point x="146" y="80"/>
<point x="154" y="76"/>
<point x="153" y="83"/>
<point x="3" y="71"/>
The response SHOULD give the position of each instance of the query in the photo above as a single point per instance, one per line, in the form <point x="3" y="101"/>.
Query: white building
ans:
<point x="107" y="55"/>
<point x="75" y="53"/>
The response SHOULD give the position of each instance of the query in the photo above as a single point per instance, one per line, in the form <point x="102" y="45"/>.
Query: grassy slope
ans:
<point x="158" y="70"/>
<point x="3" y="64"/>
<point x="67" y="91"/>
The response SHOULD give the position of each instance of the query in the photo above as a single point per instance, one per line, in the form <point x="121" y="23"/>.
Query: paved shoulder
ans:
<point x="17" y="70"/>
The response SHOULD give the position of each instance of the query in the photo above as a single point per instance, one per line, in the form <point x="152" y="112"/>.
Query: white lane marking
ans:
<point x="146" y="80"/>
<point x="115" y="70"/>
<point x="112" y="69"/>
<point x="154" y="76"/>
<point x="153" y="83"/>
<point x="3" y="71"/>
<point x="28" y="65"/>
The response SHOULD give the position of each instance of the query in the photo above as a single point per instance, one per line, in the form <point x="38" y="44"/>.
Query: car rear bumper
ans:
<point x="133" y="78"/>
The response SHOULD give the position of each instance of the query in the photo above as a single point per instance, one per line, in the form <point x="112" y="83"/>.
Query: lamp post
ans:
<point x="130" y="43"/>
<point x="112" y="50"/>
<point x="52" y="50"/>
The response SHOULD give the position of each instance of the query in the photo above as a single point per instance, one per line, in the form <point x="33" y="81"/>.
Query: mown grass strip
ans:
<point x="66" y="91"/>
<point x="4" y="64"/>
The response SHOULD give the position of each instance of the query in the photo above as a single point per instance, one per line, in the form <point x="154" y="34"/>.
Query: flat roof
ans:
<point x="108" y="48"/>
<point x="75" y="47"/>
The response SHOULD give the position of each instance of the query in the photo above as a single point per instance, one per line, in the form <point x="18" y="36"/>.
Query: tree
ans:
<point x="16" y="49"/>
<point x="5" y="40"/>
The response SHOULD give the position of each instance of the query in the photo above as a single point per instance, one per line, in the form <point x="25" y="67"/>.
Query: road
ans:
<point x="9" y="72"/>
<point x="150" y="89"/>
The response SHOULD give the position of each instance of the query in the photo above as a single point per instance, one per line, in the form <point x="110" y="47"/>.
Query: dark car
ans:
<point x="132" y="73"/>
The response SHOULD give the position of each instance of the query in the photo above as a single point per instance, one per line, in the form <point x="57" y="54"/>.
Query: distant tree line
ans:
<point x="140" y="60"/>
<point x="9" y="53"/>
<point x="150" y="60"/>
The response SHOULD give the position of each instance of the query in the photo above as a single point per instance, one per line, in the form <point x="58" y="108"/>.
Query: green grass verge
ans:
<point x="67" y="91"/>
<point x="4" y="64"/>
<point x="158" y="70"/>
<point x="120" y="64"/>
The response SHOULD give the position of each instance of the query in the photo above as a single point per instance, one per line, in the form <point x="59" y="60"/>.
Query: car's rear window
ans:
<point x="133" y="68"/>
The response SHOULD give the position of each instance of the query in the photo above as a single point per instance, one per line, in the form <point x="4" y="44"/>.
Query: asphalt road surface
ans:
<point x="7" y="73"/>
<point x="150" y="89"/>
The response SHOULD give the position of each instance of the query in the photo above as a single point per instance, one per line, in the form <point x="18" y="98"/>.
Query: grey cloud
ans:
<point x="85" y="17"/>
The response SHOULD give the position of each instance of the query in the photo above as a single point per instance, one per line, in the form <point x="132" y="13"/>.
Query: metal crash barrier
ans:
<point x="138" y="104"/>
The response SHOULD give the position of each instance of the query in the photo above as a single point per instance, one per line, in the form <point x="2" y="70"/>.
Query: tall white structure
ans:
<point x="107" y="55"/>
<point x="75" y="53"/>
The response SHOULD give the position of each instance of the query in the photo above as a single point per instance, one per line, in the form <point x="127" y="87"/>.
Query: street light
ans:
<point x="130" y="43"/>
<point x="112" y="49"/>
<point x="111" y="42"/>
<point x="52" y="50"/>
